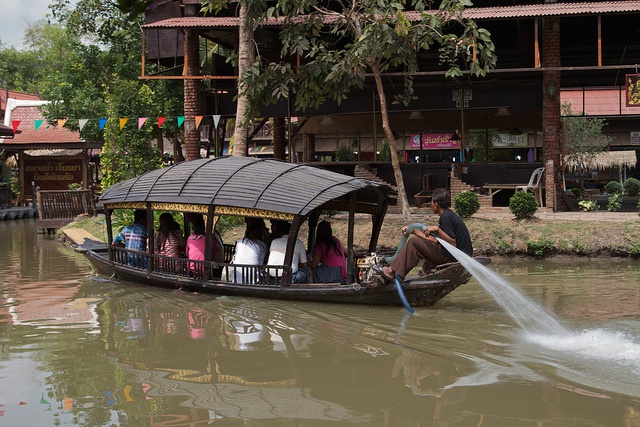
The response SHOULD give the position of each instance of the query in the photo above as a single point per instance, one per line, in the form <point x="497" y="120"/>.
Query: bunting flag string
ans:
<point x="60" y="123"/>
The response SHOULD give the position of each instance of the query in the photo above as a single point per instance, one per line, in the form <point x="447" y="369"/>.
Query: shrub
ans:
<point x="588" y="205"/>
<point x="523" y="204"/>
<point x="613" y="187"/>
<point x="638" y="206"/>
<point x="75" y="186"/>
<point x="632" y="187"/>
<point x="539" y="247"/>
<point x="466" y="204"/>
<point x="615" y="202"/>
<point x="344" y="154"/>
<point x="576" y="192"/>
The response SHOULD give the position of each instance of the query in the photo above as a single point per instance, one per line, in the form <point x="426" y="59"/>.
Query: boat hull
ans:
<point x="420" y="291"/>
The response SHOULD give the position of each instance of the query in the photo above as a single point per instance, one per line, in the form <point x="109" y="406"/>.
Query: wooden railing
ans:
<point x="58" y="208"/>
<point x="203" y="271"/>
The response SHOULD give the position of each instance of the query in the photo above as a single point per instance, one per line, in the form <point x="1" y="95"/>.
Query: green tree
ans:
<point x="98" y="78"/>
<point x="365" y="37"/>
<point x="20" y="70"/>
<point x="583" y="138"/>
<point x="127" y="152"/>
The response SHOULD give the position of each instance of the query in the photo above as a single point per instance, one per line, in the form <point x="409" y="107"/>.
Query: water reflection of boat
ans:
<point x="240" y="365"/>
<point x="266" y="189"/>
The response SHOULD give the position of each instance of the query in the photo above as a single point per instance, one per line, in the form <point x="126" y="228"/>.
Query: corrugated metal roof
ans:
<point x="244" y="182"/>
<point x="477" y="13"/>
<point x="553" y="9"/>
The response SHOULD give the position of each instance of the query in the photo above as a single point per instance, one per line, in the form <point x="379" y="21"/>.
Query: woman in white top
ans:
<point x="250" y="251"/>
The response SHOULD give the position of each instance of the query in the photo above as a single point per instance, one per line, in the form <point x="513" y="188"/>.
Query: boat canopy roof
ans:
<point x="248" y="183"/>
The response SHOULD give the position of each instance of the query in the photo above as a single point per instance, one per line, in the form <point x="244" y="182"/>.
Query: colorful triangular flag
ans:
<point x="198" y="120"/>
<point x="82" y="122"/>
<point x="102" y="123"/>
<point x="216" y="120"/>
<point x="123" y="122"/>
<point x="15" y="124"/>
<point x="61" y="123"/>
<point x="181" y="120"/>
<point x="37" y="123"/>
<point x="67" y="403"/>
<point x="161" y="120"/>
<point x="141" y="121"/>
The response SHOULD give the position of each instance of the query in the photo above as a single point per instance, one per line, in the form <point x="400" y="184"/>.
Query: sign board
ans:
<point x="51" y="173"/>
<point x="635" y="138"/>
<point x="506" y="140"/>
<point x="434" y="141"/>
<point x="632" y="83"/>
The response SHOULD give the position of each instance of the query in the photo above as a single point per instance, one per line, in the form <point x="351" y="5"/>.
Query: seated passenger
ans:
<point x="300" y="273"/>
<point x="195" y="243"/>
<point x="168" y="239"/>
<point x="328" y="263"/>
<point x="134" y="237"/>
<point x="250" y="250"/>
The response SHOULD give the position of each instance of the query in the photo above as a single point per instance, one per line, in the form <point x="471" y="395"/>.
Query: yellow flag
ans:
<point x="122" y="123"/>
<point x="61" y="123"/>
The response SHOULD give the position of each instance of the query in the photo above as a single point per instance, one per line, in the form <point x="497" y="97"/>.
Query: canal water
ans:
<point x="77" y="348"/>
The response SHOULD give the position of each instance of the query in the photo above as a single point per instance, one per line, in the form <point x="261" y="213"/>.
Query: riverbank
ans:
<point x="495" y="232"/>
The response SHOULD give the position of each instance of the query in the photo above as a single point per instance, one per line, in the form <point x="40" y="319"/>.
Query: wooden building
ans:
<point x="548" y="53"/>
<point x="43" y="156"/>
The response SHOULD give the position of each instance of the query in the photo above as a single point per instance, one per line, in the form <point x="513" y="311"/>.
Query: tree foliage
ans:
<point x="583" y="137"/>
<point x="97" y="77"/>
<point x="343" y="44"/>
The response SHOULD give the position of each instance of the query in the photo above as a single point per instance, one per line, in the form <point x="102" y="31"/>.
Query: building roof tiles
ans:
<point x="27" y="134"/>
<point x="478" y="13"/>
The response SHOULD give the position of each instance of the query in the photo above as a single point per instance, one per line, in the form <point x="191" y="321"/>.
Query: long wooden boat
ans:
<point x="267" y="189"/>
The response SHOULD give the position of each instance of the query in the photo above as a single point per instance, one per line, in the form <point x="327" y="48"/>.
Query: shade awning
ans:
<point x="245" y="182"/>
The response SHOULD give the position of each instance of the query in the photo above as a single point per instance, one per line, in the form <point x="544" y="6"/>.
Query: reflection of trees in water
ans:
<point x="28" y="255"/>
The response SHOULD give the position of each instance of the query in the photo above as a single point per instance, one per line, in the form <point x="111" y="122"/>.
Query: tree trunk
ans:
<point x="245" y="58"/>
<point x="191" y="98"/>
<point x="395" y="162"/>
<point x="279" y="139"/>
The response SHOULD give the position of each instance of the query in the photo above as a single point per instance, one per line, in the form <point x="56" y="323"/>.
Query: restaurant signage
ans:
<point x="506" y="140"/>
<point x="434" y="141"/>
<point x="52" y="173"/>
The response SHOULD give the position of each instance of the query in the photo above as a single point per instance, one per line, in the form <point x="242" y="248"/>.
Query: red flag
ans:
<point x="15" y="124"/>
<point x="161" y="120"/>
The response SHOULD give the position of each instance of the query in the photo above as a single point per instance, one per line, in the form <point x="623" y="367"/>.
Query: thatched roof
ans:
<point x="600" y="161"/>
<point x="13" y="163"/>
